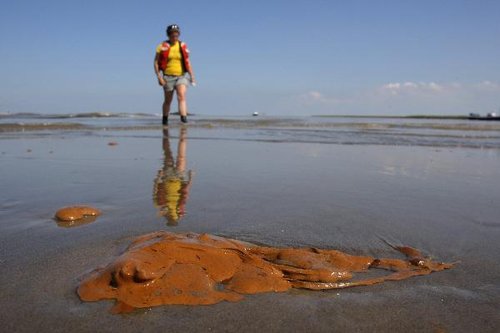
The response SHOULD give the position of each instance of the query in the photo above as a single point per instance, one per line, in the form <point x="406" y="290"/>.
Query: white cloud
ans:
<point x="409" y="87"/>
<point x="436" y="89"/>
<point x="488" y="86"/>
<point x="314" y="96"/>
<point x="403" y="97"/>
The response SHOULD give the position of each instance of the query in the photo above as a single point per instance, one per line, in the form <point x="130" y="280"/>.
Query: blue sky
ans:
<point x="275" y="57"/>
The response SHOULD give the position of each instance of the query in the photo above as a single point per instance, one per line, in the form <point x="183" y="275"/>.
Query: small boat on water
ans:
<point x="489" y="116"/>
<point x="255" y="114"/>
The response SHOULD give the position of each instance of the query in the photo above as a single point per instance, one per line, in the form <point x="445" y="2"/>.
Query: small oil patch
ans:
<point x="73" y="216"/>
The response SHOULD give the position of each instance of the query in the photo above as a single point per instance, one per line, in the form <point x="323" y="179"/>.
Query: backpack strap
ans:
<point x="183" y="63"/>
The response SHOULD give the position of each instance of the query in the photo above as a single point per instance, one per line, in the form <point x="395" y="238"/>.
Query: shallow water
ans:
<point x="337" y="130"/>
<point x="443" y="200"/>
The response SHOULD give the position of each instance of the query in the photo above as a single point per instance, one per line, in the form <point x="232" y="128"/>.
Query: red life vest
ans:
<point x="163" y="56"/>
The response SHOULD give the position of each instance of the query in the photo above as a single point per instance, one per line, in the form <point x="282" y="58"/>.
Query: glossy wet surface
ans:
<point x="201" y="269"/>
<point x="334" y="130"/>
<point x="281" y="194"/>
<point x="75" y="213"/>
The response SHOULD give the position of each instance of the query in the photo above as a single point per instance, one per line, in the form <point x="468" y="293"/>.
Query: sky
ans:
<point x="274" y="57"/>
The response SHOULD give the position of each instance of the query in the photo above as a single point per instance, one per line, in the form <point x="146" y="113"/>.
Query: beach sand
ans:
<point x="442" y="200"/>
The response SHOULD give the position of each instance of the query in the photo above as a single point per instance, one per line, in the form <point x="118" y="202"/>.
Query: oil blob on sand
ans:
<point x="195" y="269"/>
<point x="72" y="216"/>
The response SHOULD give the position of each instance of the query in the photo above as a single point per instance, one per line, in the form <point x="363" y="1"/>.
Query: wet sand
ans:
<point x="282" y="194"/>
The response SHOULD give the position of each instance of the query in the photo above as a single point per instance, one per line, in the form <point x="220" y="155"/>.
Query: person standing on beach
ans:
<point x="174" y="71"/>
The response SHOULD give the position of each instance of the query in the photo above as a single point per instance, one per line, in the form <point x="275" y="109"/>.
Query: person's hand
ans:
<point x="161" y="81"/>
<point x="193" y="81"/>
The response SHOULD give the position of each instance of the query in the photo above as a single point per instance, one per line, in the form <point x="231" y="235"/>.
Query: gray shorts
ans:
<point x="172" y="81"/>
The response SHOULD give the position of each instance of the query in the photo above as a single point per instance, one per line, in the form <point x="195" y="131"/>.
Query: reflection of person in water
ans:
<point x="171" y="186"/>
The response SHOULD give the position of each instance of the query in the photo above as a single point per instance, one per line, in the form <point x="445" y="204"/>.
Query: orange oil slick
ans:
<point x="200" y="269"/>
<point x="76" y="213"/>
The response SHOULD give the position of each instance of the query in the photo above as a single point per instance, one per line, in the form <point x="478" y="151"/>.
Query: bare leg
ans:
<point x="166" y="103"/>
<point x="181" y="98"/>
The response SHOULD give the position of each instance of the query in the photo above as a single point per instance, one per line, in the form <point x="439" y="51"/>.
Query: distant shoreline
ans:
<point x="393" y="117"/>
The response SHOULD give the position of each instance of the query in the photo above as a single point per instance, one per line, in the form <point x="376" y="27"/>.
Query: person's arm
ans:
<point x="190" y="67"/>
<point x="191" y="73"/>
<point x="158" y="71"/>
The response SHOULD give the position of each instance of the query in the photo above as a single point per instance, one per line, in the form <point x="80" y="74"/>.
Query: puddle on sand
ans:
<point x="73" y="216"/>
<point x="173" y="180"/>
<point x="199" y="269"/>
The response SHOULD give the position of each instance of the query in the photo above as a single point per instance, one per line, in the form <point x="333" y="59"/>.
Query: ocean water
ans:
<point x="334" y="130"/>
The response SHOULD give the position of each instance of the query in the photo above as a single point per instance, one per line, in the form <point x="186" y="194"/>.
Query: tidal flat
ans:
<point x="352" y="188"/>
